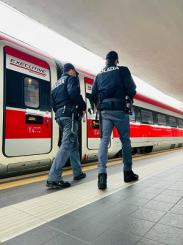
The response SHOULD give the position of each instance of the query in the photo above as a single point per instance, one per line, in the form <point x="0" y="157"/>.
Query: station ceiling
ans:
<point x="148" y="35"/>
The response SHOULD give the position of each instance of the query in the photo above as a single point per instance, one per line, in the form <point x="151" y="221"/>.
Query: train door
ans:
<point x="93" y="134"/>
<point x="27" y="124"/>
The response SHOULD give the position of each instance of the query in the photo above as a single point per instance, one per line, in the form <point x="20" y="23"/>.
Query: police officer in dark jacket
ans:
<point x="69" y="107"/>
<point x="112" y="88"/>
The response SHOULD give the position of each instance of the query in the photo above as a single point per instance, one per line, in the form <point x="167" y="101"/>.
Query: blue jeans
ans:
<point x="120" y="120"/>
<point x="69" y="148"/>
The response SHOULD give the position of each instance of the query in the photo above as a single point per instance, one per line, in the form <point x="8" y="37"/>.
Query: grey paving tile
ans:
<point x="65" y="223"/>
<point x="145" y="241"/>
<point x="167" y="198"/>
<point x="88" y="212"/>
<point x="148" y="214"/>
<point x="179" y="182"/>
<point x="177" y="209"/>
<point x="172" y="219"/>
<point x="88" y="231"/>
<point x="118" y="196"/>
<point x="114" y="237"/>
<point x="64" y="239"/>
<point x="166" y="234"/>
<point x="176" y="193"/>
<point x="157" y="205"/>
<point x="98" y="206"/>
<point x="146" y="195"/>
<point x="154" y="190"/>
<point x="141" y="185"/>
<point x="138" y="201"/>
<point x="134" y="226"/>
<point x="121" y="209"/>
<point x="36" y="236"/>
<point x="93" y="227"/>
<point x="161" y="184"/>
<point x="176" y="186"/>
<point x="180" y="202"/>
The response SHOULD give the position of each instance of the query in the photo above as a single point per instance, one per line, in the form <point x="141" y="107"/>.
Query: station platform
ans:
<point x="148" y="212"/>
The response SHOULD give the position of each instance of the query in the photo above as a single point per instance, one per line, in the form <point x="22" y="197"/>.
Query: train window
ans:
<point x="155" y="117"/>
<point x="31" y="92"/>
<point x="172" y="122"/>
<point x="161" y="119"/>
<point x="180" y="123"/>
<point x="91" y="110"/>
<point x="137" y="114"/>
<point x="147" y="116"/>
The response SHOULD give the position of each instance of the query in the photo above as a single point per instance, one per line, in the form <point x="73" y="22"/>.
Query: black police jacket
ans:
<point x="66" y="92"/>
<point x="113" y="83"/>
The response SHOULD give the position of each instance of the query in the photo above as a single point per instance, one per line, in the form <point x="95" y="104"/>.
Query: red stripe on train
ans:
<point x="139" y="131"/>
<point x="151" y="131"/>
<point x="17" y="128"/>
<point x="27" y="57"/>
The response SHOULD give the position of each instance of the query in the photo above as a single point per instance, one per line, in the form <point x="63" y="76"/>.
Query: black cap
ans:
<point x="68" y="67"/>
<point x="112" y="55"/>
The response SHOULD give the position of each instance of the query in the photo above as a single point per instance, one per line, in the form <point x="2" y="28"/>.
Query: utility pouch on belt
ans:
<point x="72" y="124"/>
<point x="128" y="105"/>
<point x="75" y="117"/>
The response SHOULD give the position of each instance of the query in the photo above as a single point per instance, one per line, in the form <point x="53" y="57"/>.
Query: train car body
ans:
<point x="153" y="126"/>
<point x="27" y="129"/>
<point x="29" y="134"/>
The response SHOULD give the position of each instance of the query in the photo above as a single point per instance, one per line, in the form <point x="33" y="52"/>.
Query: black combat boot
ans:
<point x="129" y="176"/>
<point x="102" y="181"/>
<point x="58" y="185"/>
<point x="80" y="176"/>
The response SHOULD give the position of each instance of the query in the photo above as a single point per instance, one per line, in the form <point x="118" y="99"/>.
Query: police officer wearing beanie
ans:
<point x="66" y="100"/>
<point x="109" y="91"/>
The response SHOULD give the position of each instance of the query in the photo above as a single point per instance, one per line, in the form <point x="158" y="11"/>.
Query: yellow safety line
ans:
<point x="113" y="162"/>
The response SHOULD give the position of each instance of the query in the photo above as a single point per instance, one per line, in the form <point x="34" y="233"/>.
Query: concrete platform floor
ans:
<point x="149" y="212"/>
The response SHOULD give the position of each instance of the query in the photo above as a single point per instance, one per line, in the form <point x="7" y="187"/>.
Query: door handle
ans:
<point x="33" y="119"/>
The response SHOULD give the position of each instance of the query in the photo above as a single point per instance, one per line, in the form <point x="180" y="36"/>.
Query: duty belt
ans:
<point x="65" y="107"/>
<point x="112" y="99"/>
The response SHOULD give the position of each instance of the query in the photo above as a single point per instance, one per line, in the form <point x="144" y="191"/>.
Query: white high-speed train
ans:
<point x="29" y="134"/>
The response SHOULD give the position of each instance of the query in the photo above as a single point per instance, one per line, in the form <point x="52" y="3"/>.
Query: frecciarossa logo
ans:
<point x="29" y="67"/>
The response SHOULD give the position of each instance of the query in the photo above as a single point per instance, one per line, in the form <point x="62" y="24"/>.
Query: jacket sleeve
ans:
<point x="129" y="84"/>
<point x="73" y="90"/>
<point x="94" y="94"/>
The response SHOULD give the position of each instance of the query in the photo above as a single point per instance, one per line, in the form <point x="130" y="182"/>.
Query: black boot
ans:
<point x="102" y="181"/>
<point x="81" y="176"/>
<point x="58" y="185"/>
<point x="129" y="176"/>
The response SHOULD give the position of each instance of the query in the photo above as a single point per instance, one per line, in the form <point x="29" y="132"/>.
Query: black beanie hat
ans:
<point x="112" y="55"/>
<point x="68" y="67"/>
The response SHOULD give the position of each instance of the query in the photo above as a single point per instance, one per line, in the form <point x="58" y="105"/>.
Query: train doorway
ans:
<point x="27" y="111"/>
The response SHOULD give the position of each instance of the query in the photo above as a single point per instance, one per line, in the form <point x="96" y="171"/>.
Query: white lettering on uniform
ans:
<point x="112" y="68"/>
<point x="58" y="83"/>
